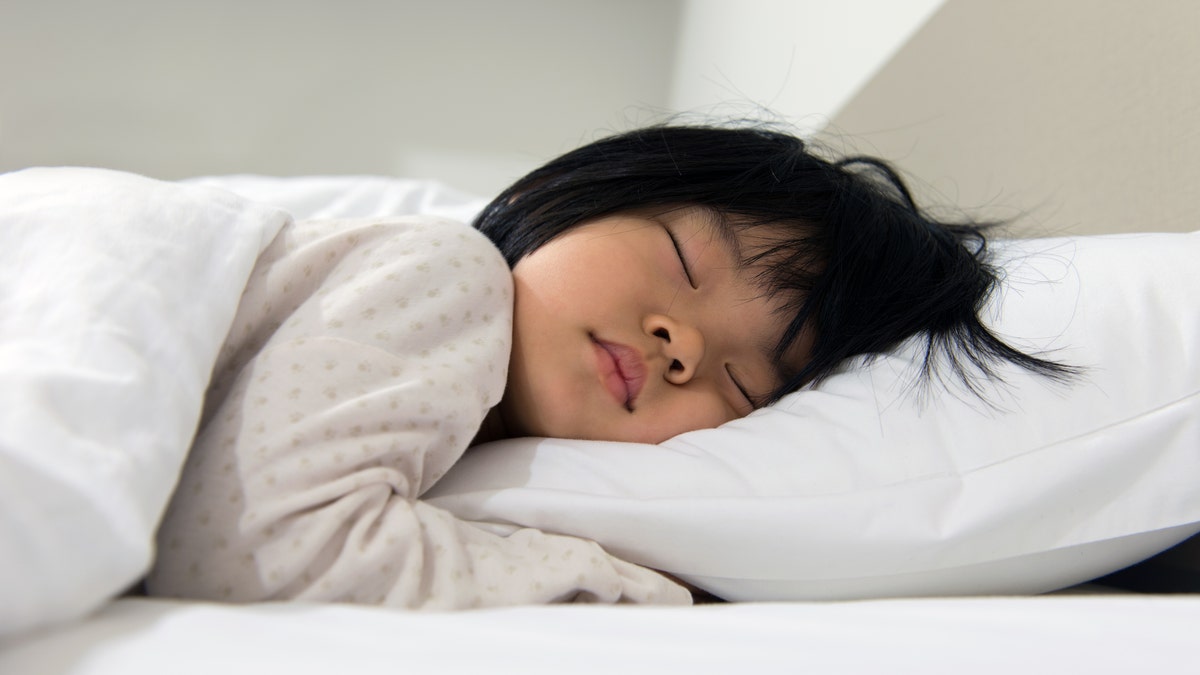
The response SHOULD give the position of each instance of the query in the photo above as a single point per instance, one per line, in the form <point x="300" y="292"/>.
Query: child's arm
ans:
<point x="304" y="481"/>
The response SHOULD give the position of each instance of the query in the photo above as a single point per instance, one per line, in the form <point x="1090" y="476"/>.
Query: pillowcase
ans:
<point x="870" y="486"/>
<point x="116" y="292"/>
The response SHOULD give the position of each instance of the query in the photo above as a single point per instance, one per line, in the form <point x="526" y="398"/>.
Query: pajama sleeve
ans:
<point x="362" y="360"/>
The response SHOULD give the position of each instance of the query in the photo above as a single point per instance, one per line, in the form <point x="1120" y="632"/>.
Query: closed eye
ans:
<point x="742" y="390"/>
<point x="687" y="272"/>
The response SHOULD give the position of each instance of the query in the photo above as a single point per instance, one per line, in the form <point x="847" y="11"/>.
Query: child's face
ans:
<point x="611" y="340"/>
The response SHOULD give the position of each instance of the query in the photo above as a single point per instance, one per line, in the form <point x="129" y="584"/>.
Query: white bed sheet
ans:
<point x="1046" y="634"/>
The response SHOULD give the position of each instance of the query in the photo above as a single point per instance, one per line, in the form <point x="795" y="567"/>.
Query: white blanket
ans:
<point x="119" y="294"/>
<point x="115" y="293"/>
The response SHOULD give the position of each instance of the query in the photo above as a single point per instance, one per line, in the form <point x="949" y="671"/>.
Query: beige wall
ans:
<point x="799" y="59"/>
<point x="1077" y="115"/>
<point x="474" y="92"/>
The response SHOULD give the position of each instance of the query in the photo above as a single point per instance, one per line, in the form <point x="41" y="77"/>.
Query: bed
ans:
<point x="992" y="538"/>
<point x="1097" y="634"/>
<point x="845" y="591"/>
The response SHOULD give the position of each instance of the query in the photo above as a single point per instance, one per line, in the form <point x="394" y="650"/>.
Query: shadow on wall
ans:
<point x="1073" y="117"/>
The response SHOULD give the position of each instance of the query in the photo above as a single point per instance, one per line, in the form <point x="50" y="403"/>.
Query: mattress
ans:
<point x="1100" y="633"/>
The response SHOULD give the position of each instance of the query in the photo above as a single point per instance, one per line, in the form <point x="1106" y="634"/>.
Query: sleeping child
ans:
<point x="659" y="281"/>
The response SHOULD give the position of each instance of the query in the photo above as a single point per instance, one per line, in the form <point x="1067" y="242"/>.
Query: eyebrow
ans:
<point x="714" y="219"/>
<point x="718" y="221"/>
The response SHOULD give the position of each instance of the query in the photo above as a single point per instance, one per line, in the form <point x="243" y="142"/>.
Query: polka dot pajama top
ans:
<point x="362" y="360"/>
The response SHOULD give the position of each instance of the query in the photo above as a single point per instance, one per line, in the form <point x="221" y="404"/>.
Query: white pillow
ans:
<point x="116" y="292"/>
<point x="867" y="487"/>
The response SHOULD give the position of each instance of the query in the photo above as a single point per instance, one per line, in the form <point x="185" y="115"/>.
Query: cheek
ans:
<point x="585" y="264"/>
<point x="535" y="402"/>
<point x="687" y="414"/>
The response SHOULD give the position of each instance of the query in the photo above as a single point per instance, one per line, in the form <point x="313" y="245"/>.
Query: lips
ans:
<point x="622" y="371"/>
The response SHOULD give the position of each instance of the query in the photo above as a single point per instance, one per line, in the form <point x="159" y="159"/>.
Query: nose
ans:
<point x="680" y="343"/>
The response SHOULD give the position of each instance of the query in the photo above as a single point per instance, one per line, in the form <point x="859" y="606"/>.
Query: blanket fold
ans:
<point x="116" y="292"/>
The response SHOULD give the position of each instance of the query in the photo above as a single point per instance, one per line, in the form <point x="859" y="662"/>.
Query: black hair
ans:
<point x="861" y="267"/>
